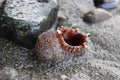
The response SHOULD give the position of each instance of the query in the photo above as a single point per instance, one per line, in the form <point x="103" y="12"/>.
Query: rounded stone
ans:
<point x="97" y="15"/>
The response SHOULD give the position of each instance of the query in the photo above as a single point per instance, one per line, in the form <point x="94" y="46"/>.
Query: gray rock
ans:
<point x="26" y="19"/>
<point x="2" y="5"/>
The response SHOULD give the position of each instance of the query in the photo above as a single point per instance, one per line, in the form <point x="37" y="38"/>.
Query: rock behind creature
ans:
<point x="26" y="19"/>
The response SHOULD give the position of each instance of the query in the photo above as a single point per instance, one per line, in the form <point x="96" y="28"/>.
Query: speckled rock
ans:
<point x="25" y="19"/>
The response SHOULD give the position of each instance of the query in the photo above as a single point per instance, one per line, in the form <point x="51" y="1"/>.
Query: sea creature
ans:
<point x="53" y="45"/>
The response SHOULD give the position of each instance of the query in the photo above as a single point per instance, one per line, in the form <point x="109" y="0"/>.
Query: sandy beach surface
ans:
<point x="101" y="60"/>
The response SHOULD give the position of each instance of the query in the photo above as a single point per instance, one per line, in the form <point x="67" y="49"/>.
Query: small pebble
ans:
<point x="96" y="15"/>
<point x="63" y="77"/>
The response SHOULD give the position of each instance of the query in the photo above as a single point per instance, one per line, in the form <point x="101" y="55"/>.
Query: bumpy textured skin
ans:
<point x="48" y="48"/>
<point x="51" y="47"/>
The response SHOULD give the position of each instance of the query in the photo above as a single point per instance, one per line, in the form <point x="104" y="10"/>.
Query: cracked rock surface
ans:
<point x="25" y="19"/>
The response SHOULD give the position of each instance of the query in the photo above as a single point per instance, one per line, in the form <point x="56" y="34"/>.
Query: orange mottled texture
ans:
<point x="53" y="46"/>
<point x="47" y="47"/>
<point x="71" y="40"/>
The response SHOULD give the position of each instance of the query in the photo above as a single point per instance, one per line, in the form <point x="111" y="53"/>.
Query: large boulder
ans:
<point x="26" y="19"/>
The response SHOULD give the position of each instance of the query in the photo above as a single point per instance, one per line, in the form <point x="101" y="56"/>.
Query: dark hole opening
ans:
<point x="98" y="3"/>
<point x="43" y="1"/>
<point x="75" y="39"/>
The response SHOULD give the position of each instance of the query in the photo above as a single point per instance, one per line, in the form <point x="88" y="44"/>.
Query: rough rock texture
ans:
<point x="101" y="60"/>
<point x="25" y="19"/>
